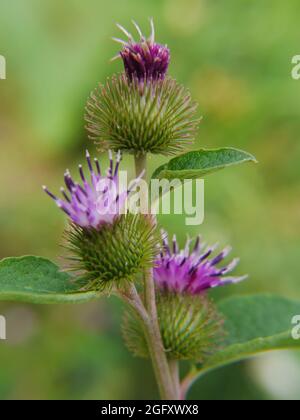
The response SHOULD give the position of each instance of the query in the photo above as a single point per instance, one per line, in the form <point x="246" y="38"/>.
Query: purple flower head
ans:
<point x="96" y="201"/>
<point x="144" y="59"/>
<point x="192" y="272"/>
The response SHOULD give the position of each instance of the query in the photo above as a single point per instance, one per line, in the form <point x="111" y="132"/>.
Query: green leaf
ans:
<point x="199" y="163"/>
<point x="253" y="324"/>
<point x="38" y="280"/>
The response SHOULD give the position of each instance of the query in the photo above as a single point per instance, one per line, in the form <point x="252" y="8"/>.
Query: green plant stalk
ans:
<point x="152" y="330"/>
<point x="154" y="342"/>
<point x="141" y="165"/>
<point x="187" y="383"/>
<point x="175" y="374"/>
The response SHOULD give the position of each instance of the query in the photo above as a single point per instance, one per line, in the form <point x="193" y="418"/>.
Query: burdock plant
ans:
<point x="170" y="316"/>
<point x="142" y="110"/>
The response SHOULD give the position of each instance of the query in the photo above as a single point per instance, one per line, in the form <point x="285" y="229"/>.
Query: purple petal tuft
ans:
<point x="144" y="59"/>
<point x="95" y="202"/>
<point x="192" y="272"/>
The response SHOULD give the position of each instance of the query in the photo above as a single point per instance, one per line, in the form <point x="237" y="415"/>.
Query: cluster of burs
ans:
<point x="142" y="111"/>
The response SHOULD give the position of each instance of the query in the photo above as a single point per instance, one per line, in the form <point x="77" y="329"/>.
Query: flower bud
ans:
<point x="140" y="116"/>
<point x="114" y="255"/>
<point x="106" y="246"/>
<point x="190" y="326"/>
<point x="144" y="59"/>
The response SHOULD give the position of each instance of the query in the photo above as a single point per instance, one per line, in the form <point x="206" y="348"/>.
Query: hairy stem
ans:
<point x="175" y="375"/>
<point x="141" y="165"/>
<point x="130" y="296"/>
<point x="152" y="329"/>
<point x="155" y="347"/>
<point x="187" y="383"/>
<point x="154" y="340"/>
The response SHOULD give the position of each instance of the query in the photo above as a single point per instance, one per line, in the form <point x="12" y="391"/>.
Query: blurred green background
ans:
<point x="235" y="57"/>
